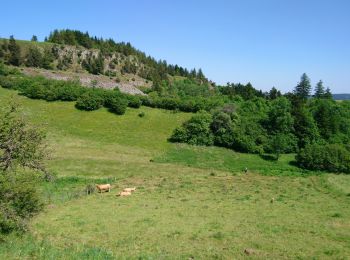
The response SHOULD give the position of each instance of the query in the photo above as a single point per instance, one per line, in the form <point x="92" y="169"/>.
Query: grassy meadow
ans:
<point x="190" y="203"/>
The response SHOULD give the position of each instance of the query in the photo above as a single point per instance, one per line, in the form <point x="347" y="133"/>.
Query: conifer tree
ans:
<point x="302" y="90"/>
<point x="319" y="90"/>
<point x="328" y="94"/>
<point x="274" y="93"/>
<point x="34" y="38"/>
<point x="34" y="58"/>
<point x="15" y="52"/>
<point x="200" y="75"/>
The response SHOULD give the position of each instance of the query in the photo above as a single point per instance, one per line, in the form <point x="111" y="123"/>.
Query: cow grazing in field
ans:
<point x="129" y="189"/>
<point x="124" y="193"/>
<point x="103" y="187"/>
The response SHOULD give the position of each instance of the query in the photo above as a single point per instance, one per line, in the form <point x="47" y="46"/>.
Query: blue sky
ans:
<point x="265" y="42"/>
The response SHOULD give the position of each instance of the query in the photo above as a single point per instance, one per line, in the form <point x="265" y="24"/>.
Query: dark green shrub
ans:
<point x="5" y="70"/>
<point x="19" y="202"/>
<point x="35" y="90"/>
<point x="180" y="135"/>
<point x="281" y="143"/>
<point x="248" y="136"/>
<point x="94" y="65"/>
<point x="110" y="95"/>
<point x="6" y="82"/>
<point x="69" y="90"/>
<point x="22" y="152"/>
<point x="190" y="105"/>
<point x="148" y="101"/>
<point x="196" y="131"/>
<point x="34" y="58"/>
<point x="111" y="73"/>
<point x="169" y="103"/>
<point x="324" y="157"/>
<point x="222" y="129"/>
<point x="118" y="105"/>
<point x="89" y="101"/>
<point x="134" y="101"/>
<point x="51" y="94"/>
<point x="142" y="114"/>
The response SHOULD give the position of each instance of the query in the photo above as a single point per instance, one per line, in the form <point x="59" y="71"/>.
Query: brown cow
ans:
<point x="124" y="193"/>
<point x="103" y="187"/>
<point x="130" y="189"/>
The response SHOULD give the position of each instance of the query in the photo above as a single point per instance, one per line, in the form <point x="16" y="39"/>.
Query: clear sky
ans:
<point x="265" y="42"/>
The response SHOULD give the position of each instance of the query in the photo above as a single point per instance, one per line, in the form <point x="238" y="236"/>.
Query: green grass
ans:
<point x="190" y="201"/>
<point x="25" y="45"/>
<point x="228" y="160"/>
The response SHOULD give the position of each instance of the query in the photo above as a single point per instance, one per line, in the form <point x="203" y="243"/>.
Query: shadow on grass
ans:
<point x="268" y="157"/>
<point x="293" y="163"/>
<point x="64" y="189"/>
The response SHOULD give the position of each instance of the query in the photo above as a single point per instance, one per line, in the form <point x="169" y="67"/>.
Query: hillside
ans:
<point x="341" y="96"/>
<point x="191" y="202"/>
<point x="73" y="55"/>
<point x="221" y="172"/>
<point x="66" y="64"/>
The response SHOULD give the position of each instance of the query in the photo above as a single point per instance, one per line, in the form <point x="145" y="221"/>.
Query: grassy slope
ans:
<point x="25" y="45"/>
<point x="191" y="201"/>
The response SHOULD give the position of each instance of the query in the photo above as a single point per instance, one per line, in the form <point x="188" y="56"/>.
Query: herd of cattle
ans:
<point x="107" y="188"/>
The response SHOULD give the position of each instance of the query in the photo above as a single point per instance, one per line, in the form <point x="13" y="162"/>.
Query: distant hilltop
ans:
<point x="71" y="54"/>
<point x="341" y="96"/>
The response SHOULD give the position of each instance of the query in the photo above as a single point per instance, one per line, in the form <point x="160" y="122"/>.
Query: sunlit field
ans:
<point x="190" y="202"/>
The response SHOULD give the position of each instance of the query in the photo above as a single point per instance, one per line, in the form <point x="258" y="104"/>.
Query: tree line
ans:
<point x="94" y="98"/>
<point x="151" y="69"/>
<point x="158" y="69"/>
<point x="259" y="122"/>
<point x="315" y="127"/>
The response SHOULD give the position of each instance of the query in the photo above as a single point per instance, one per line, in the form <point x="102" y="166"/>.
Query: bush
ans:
<point x="89" y="101"/>
<point x="118" y="105"/>
<point x="324" y="157"/>
<point x="281" y="143"/>
<point x="5" y="70"/>
<point x="149" y="101"/>
<point x="110" y="95"/>
<point x="22" y="152"/>
<point x="19" y="202"/>
<point x="196" y="131"/>
<point x="68" y="91"/>
<point x="35" y="90"/>
<point x="6" y="82"/>
<point x="133" y="101"/>
<point x="34" y="58"/>
<point x="169" y="103"/>
<point x="142" y="114"/>
<point x="190" y="105"/>
<point x="248" y="136"/>
<point x="222" y="129"/>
